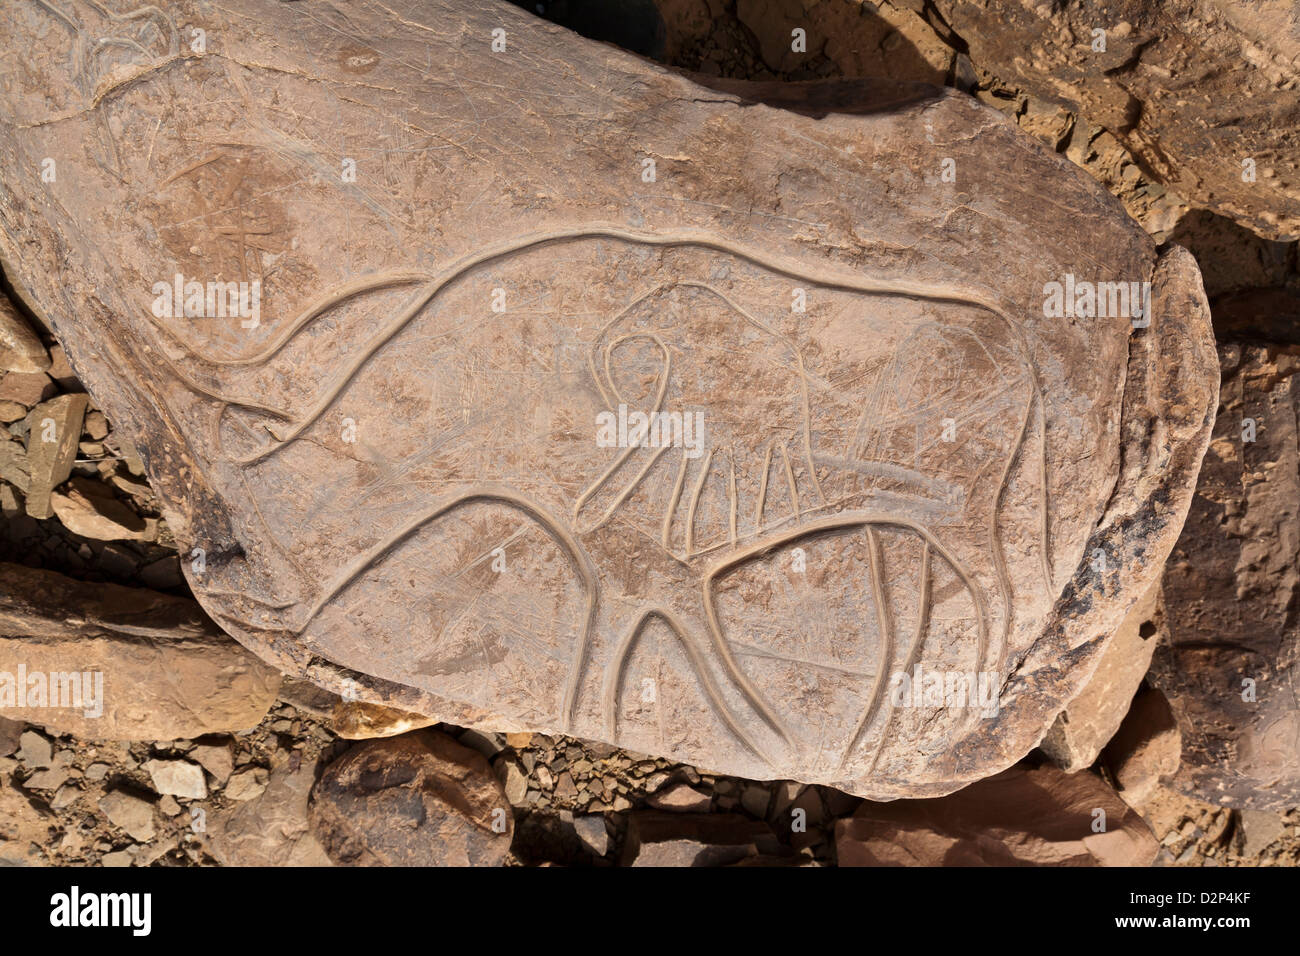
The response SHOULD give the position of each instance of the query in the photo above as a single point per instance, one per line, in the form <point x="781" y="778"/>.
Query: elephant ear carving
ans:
<point x="699" y="353"/>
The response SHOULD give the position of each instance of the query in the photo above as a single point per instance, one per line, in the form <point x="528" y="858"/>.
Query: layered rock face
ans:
<point x="540" y="388"/>
<point x="1228" y="667"/>
<point x="1203" y="93"/>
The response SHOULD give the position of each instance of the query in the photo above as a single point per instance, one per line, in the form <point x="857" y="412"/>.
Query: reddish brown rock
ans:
<point x="416" y="800"/>
<point x="1193" y="89"/>
<point x="1146" y="751"/>
<point x="116" y="663"/>
<point x="1021" y="817"/>
<point x="406" y="465"/>
<point x="1228" y="667"/>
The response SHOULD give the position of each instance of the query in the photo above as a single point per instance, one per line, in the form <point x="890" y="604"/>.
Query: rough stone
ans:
<point x="53" y="429"/>
<point x="1146" y="750"/>
<point x="682" y="797"/>
<point x="1230" y="587"/>
<point x="26" y="388"/>
<point x="271" y="829"/>
<point x="167" y="672"/>
<point x="1175" y="83"/>
<point x="20" y="348"/>
<point x="216" y="759"/>
<point x="440" y="508"/>
<point x="35" y="749"/>
<point x="591" y="830"/>
<point x="248" y="784"/>
<point x="129" y="812"/>
<point x="358" y="720"/>
<point x="1091" y="719"/>
<point x="177" y="778"/>
<point x="90" y="510"/>
<point x="416" y="800"/>
<point x="1256" y="831"/>
<point x="13" y="465"/>
<point x="1021" y="817"/>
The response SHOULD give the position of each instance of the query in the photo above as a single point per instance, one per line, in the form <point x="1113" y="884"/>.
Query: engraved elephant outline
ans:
<point x="428" y="288"/>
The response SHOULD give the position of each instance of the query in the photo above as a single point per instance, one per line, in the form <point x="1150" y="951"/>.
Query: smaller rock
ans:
<point x="169" y="806"/>
<point x="358" y="720"/>
<point x="681" y="797"/>
<point x="247" y="784"/>
<point x="11" y="411"/>
<point x="516" y="783"/>
<point x="591" y="830"/>
<point x="13" y="465"/>
<point x="89" y="509"/>
<point x="1146" y="750"/>
<point x="46" y="779"/>
<point x="116" y="859"/>
<point x="96" y="425"/>
<point x="418" y="799"/>
<point x="163" y="573"/>
<point x="518" y="741"/>
<point x="97" y="771"/>
<point x="66" y="797"/>
<point x="130" y="813"/>
<point x="34" y="750"/>
<point x="26" y="388"/>
<point x="216" y="759"/>
<point x="61" y="371"/>
<point x="1257" y="830"/>
<point x="20" y="348"/>
<point x="53" y="429"/>
<point x="11" y="732"/>
<point x="179" y="778"/>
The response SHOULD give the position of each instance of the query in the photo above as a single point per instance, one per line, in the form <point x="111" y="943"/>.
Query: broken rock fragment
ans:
<point x="646" y="451"/>
<point x="20" y="349"/>
<point x="420" y="799"/>
<point x="89" y="509"/>
<point x="107" y="662"/>
<point x="53" y="430"/>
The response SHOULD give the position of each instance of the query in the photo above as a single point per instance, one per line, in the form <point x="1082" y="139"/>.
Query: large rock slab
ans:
<point x="1022" y="817"/>
<point x="117" y="663"/>
<point x="1192" y="88"/>
<point x="1228" y="667"/>
<point x="408" y="467"/>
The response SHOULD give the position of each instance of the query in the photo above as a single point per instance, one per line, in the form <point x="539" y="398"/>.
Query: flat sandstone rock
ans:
<point x="481" y="253"/>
